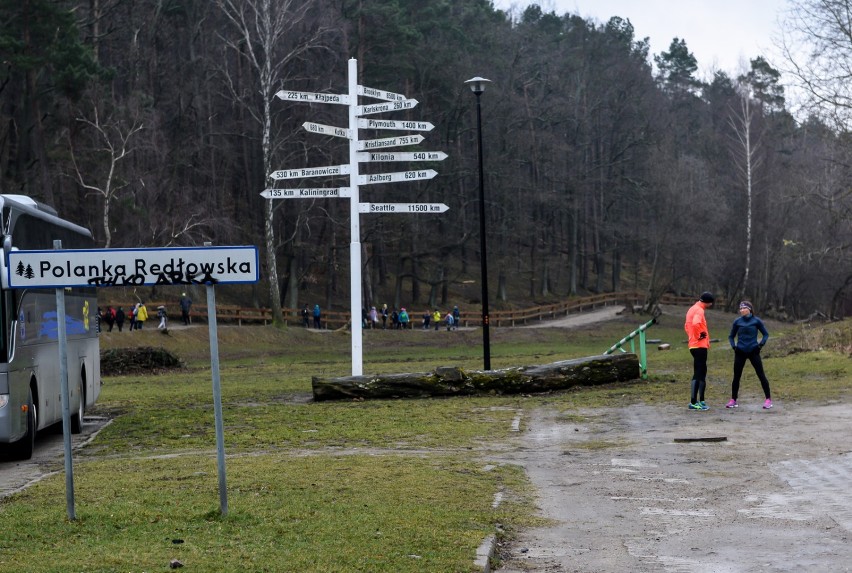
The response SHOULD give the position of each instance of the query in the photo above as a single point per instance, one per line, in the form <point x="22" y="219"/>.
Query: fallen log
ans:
<point x="453" y="381"/>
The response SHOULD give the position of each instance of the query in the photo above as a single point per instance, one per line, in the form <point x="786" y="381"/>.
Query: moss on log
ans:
<point x="452" y="381"/>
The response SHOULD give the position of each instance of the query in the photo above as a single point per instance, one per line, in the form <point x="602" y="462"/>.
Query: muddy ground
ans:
<point x="628" y="490"/>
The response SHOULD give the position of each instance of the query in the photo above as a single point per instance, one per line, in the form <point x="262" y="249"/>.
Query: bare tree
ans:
<point x="746" y="160"/>
<point x="113" y="141"/>
<point x="817" y="46"/>
<point x="271" y="35"/>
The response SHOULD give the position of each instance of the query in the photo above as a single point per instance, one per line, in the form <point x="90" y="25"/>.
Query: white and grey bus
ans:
<point x="29" y="347"/>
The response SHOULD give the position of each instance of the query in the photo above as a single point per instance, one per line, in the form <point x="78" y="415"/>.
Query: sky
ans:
<point x="721" y="34"/>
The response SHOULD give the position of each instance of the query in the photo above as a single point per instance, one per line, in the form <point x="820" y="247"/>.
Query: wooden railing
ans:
<point x="333" y="320"/>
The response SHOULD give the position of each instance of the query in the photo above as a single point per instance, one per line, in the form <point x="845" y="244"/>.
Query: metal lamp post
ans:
<point x="477" y="86"/>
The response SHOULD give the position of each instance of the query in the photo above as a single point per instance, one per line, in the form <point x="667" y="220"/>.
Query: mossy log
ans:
<point x="452" y="381"/>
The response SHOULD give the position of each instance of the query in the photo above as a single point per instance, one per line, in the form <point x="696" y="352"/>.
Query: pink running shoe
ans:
<point x="731" y="403"/>
<point x="768" y="404"/>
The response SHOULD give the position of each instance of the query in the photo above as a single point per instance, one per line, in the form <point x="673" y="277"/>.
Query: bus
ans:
<point x="30" y="388"/>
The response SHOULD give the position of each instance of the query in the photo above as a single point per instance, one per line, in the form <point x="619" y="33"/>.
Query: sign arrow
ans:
<point x="311" y="172"/>
<point x="394" y="124"/>
<point x="402" y="156"/>
<point x="307" y="193"/>
<point x="310" y="97"/>
<point x="390" y="142"/>
<point x="399" y="176"/>
<point x="398" y="105"/>
<point x="414" y="208"/>
<point x="327" y="130"/>
<point x="380" y="94"/>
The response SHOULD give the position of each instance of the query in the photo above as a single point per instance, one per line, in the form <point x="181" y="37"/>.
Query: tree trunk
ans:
<point x="452" y="381"/>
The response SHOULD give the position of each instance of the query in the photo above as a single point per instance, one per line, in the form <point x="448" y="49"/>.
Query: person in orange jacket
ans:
<point x="699" y="344"/>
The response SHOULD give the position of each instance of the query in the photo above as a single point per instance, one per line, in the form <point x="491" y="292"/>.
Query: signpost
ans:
<point x="357" y="148"/>
<point x="414" y="208"/>
<point x="327" y="129"/>
<point x="398" y="176"/>
<point x="402" y="156"/>
<point x="306" y="193"/>
<point x="60" y="269"/>
<point x="390" y="142"/>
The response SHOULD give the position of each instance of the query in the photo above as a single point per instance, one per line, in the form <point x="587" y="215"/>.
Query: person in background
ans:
<point x="404" y="319"/>
<point x="306" y="322"/>
<point x="119" y="318"/>
<point x="185" y="306"/>
<point x="384" y="316"/>
<point x="317" y="316"/>
<point x="436" y="318"/>
<point x="131" y="315"/>
<point x="450" y="321"/>
<point x="161" y="314"/>
<point x="109" y="317"/>
<point x="747" y="347"/>
<point x="374" y="317"/>
<point x="456" y="316"/>
<point x="427" y="318"/>
<point x="699" y="346"/>
<point x="141" y="315"/>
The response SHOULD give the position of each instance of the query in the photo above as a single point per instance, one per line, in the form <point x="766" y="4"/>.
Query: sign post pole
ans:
<point x="355" y="225"/>
<point x="65" y="395"/>
<point x="217" y="395"/>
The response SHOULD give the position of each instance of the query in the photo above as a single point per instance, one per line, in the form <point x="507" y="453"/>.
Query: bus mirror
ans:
<point x="7" y="244"/>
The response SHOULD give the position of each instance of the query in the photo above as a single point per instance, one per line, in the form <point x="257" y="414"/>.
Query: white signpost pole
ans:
<point x="213" y="330"/>
<point x="355" y="225"/>
<point x="65" y="395"/>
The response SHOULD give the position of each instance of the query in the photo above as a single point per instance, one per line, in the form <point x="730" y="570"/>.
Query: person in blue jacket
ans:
<point x="747" y="347"/>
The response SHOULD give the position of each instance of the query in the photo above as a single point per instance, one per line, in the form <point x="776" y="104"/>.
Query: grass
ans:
<point x="397" y="485"/>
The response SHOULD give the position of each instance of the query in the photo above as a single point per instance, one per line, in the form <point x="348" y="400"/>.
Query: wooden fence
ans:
<point x="333" y="320"/>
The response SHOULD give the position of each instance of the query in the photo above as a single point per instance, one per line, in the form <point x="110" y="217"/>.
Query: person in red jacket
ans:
<point x="699" y="345"/>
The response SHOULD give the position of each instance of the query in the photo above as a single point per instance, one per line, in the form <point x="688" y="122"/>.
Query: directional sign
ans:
<point x="307" y="193"/>
<point x="402" y="207"/>
<point x="379" y="94"/>
<point x="400" y="176"/>
<point x="390" y="142"/>
<point x="132" y="267"/>
<point x="402" y="156"/>
<point x="327" y="129"/>
<point x="382" y="107"/>
<point x="311" y="172"/>
<point x="395" y="124"/>
<point x="310" y="97"/>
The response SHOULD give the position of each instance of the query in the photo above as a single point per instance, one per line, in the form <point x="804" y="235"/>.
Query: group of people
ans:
<point x="743" y="339"/>
<point x="138" y="314"/>
<point x="316" y="313"/>
<point x="401" y="319"/>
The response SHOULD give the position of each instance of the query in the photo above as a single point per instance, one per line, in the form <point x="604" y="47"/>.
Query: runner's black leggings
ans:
<point x="740" y="358"/>
<point x="699" y="373"/>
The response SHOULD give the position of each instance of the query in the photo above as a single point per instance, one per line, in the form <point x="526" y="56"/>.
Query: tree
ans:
<point x="270" y="37"/>
<point x="677" y="68"/>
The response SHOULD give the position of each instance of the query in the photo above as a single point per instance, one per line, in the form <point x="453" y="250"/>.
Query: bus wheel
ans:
<point x="23" y="448"/>
<point x="77" y="417"/>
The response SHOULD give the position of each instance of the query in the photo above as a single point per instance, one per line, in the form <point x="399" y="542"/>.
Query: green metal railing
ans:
<point x="643" y="355"/>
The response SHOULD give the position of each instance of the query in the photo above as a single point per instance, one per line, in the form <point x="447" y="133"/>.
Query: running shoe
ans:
<point x="768" y="404"/>
<point x="696" y="406"/>
<point x="731" y="403"/>
<point x="703" y="405"/>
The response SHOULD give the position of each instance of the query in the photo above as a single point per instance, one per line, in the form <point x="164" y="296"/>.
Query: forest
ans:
<point x="155" y="124"/>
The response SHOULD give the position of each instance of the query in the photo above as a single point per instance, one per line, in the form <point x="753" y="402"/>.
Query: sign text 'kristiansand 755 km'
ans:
<point x="132" y="267"/>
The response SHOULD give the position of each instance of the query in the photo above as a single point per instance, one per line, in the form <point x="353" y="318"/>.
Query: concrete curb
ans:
<point x="485" y="552"/>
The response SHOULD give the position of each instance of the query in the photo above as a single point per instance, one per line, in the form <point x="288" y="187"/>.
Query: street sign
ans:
<point x="402" y="208"/>
<point x="310" y="97"/>
<point x="383" y="107"/>
<point x="402" y="156"/>
<point x="327" y="130"/>
<point x="390" y="142"/>
<point x="400" y="176"/>
<point x="395" y="124"/>
<point x="379" y="94"/>
<point x="307" y="193"/>
<point x="311" y="172"/>
<point x="132" y="267"/>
